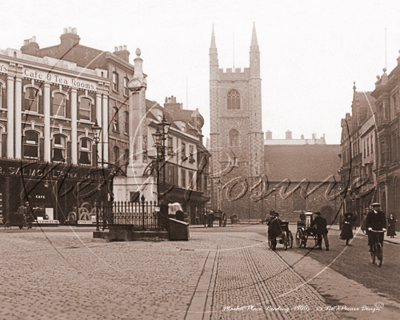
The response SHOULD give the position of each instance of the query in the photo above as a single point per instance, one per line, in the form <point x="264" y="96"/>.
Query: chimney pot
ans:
<point x="120" y="48"/>
<point x="33" y="39"/>
<point x="115" y="49"/>
<point x="74" y="31"/>
<point x="69" y="29"/>
<point x="65" y="31"/>
<point x="125" y="48"/>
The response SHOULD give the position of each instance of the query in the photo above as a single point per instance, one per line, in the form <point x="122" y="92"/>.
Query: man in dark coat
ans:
<point x="29" y="214"/>
<point x="375" y="220"/>
<point x="347" y="231"/>
<point x="274" y="229"/>
<point x="322" y="232"/>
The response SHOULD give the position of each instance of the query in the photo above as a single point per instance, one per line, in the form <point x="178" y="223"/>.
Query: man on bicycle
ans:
<point x="375" y="220"/>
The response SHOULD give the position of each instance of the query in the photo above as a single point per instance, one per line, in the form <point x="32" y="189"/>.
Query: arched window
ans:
<point x="59" y="104"/>
<point x="115" y="119"/>
<point x="126" y="122"/>
<point x="126" y="159"/>
<point x="116" y="156"/>
<point x="1" y="94"/>
<point x="59" y="147"/>
<point x="31" y="145"/>
<point x="383" y="147"/>
<point x="85" y="108"/>
<point x="233" y="138"/>
<point x="233" y="99"/>
<point x="85" y="151"/>
<point x="31" y="99"/>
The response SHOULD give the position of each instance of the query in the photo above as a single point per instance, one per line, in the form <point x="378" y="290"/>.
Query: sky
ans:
<point x="311" y="51"/>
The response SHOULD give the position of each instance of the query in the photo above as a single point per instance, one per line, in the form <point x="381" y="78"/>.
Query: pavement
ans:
<point x="229" y="275"/>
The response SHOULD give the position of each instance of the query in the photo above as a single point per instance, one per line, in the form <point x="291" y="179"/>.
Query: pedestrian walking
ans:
<point x="322" y="232"/>
<point x="391" y="231"/>
<point x="347" y="230"/>
<point x="28" y="214"/>
<point x="274" y="228"/>
<point x="375" y="220"/>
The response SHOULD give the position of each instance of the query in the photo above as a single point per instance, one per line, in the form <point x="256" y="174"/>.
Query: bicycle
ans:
<point x="377" y="248"/>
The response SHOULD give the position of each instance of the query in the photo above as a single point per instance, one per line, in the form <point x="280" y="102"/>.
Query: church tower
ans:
<point x="236" y="136"/>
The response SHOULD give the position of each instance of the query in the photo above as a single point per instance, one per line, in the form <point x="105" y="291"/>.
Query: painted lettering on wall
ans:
<point x="58" y="79"/>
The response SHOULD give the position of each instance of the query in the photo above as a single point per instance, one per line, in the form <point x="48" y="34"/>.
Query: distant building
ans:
<point x="290" y="141"/>
<point x="300" y="178"/>
<point x="236" y="137"/>
<point x="358" y="149"/>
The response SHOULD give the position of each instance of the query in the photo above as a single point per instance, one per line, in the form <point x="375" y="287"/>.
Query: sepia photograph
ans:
<point x="195" y="160"/>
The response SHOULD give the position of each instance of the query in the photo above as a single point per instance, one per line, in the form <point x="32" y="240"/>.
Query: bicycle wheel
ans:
<point x="379" y="254"/>
<point x="285" y="240"/>
<point x="373" y="254"/>
<point x="299" y="237"/>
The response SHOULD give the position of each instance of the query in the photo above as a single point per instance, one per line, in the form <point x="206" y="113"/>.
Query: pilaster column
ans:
<point x="74" y="127"/>
<point x="105" y="129"/>
<point x="18" y="115"/>
<point x="46" y="101"/>
<point x="99" y="122"/>
<point x="10" y="116"/>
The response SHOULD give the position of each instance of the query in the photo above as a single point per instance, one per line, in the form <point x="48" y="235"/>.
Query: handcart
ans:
<point x="305" y="231"/>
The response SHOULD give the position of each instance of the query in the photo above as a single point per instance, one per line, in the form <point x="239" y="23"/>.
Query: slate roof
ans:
<point x="314" y="162"/>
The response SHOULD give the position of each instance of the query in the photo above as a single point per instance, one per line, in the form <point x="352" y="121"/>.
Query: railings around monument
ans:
<point x="142" y="215"/>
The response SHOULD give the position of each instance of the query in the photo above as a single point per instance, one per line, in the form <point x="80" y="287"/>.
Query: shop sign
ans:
<point x="58" y="79"/>
<point x="50" y="172"/>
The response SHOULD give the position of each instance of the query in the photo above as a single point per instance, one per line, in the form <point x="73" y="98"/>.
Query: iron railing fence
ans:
<point x="142" y="215"/>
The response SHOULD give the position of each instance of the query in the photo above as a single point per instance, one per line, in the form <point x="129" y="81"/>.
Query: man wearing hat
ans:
<point x="274" y="228"/>
<point x="322" y="232"/>
<point x="375" y="220"/>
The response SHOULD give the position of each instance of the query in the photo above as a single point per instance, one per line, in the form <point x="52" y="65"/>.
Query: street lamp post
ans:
<point x="219" y="184"/>
<point x="160" y="136"/>
<point x="96" y="129"/>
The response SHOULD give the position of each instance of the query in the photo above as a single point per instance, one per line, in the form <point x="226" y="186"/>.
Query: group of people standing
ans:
<point x="319" y="224"/>
<point x="375" y="221"/>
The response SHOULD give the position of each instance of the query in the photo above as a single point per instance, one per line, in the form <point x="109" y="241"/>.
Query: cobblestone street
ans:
<point x="218" y="275"/>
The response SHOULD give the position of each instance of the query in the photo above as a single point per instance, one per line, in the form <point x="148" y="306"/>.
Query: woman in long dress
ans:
<point x="391" y="230"/>
<point x="347" y="230"/>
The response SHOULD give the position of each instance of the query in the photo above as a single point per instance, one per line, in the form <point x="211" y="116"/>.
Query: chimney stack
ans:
<point x="30" y="47"/>
<point x="69" y="39"/>
<point x="122" y="52"/>
<point x="288" y="135"/>
<point x="268" y="135"/>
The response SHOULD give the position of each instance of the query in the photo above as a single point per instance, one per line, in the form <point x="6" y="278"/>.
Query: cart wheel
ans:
<point x="290" y="240"/>
<point x="299" y="238"/>
<point x="285" y="240"/>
